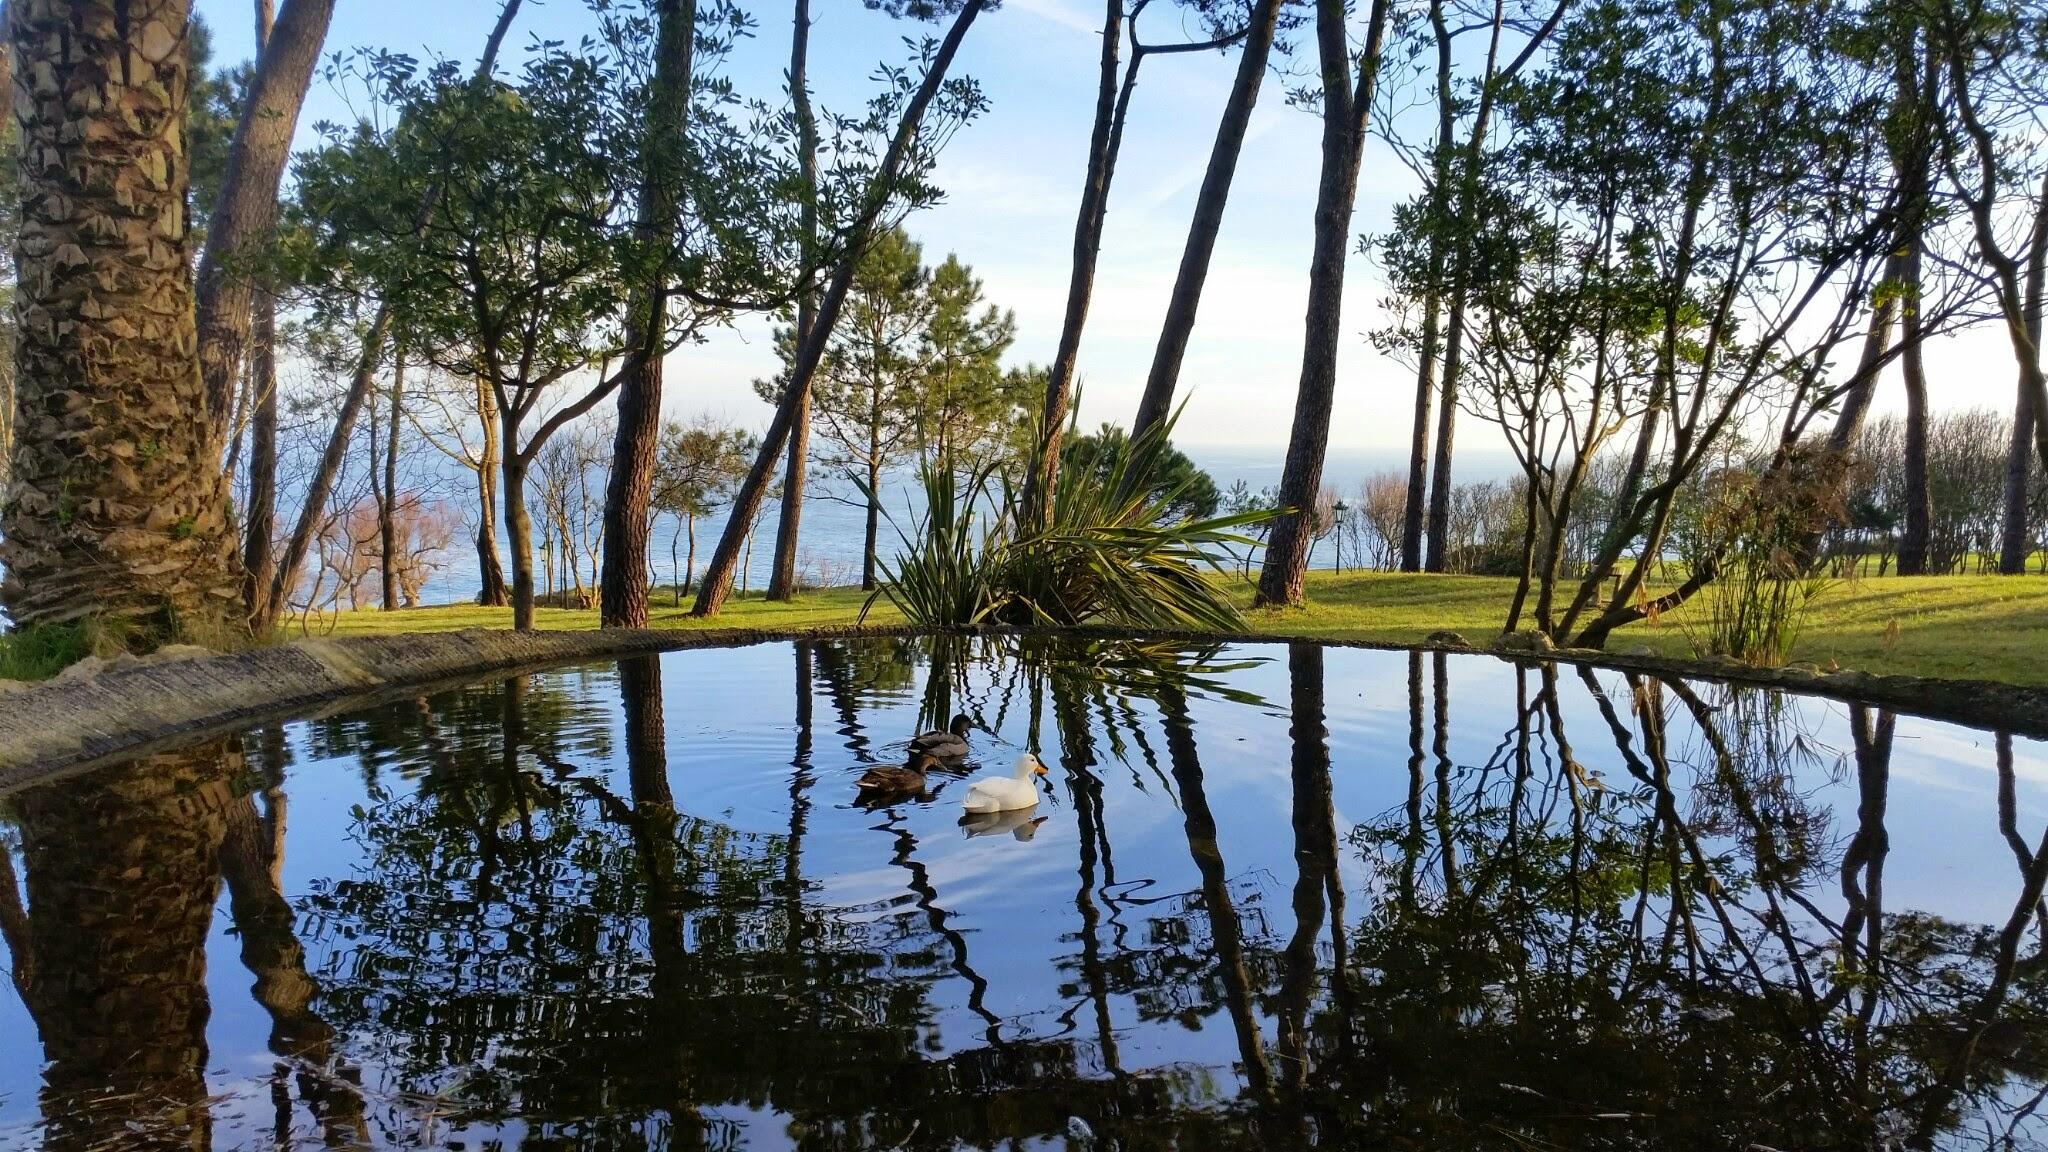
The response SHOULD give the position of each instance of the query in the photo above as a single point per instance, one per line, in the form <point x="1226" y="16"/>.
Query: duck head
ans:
<point x="1029" y="766"/>
<point x="960" y="726"/>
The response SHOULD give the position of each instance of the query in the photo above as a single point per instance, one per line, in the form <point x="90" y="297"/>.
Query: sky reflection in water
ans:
<point x="1273" y="896"/>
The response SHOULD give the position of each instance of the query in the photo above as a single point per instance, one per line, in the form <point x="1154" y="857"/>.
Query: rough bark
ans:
<point x="321" y="484"/>
<point x="246" y="211"/>
<point x="1345" y="111"/>
<point x="782" y="574"/>
<point x="1181" y="307"/>
<point x="628" y="490"/>
<point x="122" y="875"/>
<point x="718" y="574"/>
<point x="6" y="353"/>
<point x="118" y="508"/>
<point x="260" y="517"/>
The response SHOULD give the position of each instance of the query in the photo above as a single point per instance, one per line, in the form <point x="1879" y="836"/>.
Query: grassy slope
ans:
<point x="1983" y="627"/>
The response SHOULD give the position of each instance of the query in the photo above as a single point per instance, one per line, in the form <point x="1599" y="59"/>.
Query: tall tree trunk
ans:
<point x="1345" y="113"/>
<point x="871" y="536"/>
<point x="246" y="211"/>
<point x="1088" y="222"/>
<point x="518" y="532"/>
<point x="118" y="508"/>
<point x="1164" y="377"/>
<point x="1913" y="543"/>
<point x="491" y="574"/>
<point x="1437" y="551"/>
<point x="321" y="484"/>
<point x="623" y="598"/>
<point x="1418" y="442"/>
<point x="2015" y="539"/>
<point x="252" y="863"/>
<point x="260" y="519"/>
<point x="1432" y="304"/>
<point x="718" y="575"/>
<point x="387" y="512"/>
<point x="782" y="577"/>
<point x="1862" y="387"/>
<point x="123" y="871"/>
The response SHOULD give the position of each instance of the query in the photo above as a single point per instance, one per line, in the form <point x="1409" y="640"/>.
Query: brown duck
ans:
<point x="945" y="744"/>
<point x="897" y="779"/>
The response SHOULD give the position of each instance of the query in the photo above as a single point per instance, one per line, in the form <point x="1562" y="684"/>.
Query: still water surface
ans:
<point x="1273" y="896"/>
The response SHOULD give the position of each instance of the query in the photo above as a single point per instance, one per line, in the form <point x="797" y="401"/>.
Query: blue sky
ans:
<point x="1012" y="180"/>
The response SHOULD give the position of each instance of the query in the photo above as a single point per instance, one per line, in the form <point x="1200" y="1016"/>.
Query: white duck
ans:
<point x="992" y="793"/>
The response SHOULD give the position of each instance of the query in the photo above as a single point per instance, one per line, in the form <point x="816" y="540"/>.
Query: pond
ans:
<point x="1272" y="896"/>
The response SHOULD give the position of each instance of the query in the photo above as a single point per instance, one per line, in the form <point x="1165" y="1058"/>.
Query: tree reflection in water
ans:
<point x="1274" y="897"/>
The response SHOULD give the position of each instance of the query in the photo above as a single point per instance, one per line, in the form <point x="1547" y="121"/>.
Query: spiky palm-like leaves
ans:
<point x="1112" y="553"/>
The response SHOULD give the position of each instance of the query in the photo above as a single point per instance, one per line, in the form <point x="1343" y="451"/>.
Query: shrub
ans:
<point x="1112" y="551"/>
<point x="1752" y="528"/>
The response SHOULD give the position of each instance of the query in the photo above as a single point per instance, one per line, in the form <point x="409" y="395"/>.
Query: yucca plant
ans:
<point x="1110" y="553"/>
<point x="942" y="576"/>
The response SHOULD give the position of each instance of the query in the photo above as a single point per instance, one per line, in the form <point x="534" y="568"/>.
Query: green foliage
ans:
<point x="41" y="652"/>
<point x="914" y="364"/>
<point x="520" y="278"/>
<point x="964" y="402"/>
<point x="1193" y="493"/>
<point x="698" y="465"/>
<point x="1753" y="526"/>
<point x="212" y="109"/>
<point x="865" y="395"/>
<point x="1114" y="551"/>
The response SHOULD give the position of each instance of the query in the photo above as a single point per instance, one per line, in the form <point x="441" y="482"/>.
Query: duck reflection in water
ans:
<point x="1018" y="822"/>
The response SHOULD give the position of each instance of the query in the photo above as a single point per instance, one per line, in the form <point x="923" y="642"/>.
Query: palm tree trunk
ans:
<point x="118" y="506"/>
<point x="630" y="486"/>
<point x="1164" y="377"/>
<point x="245" y="212"/>
<point x="123" y="871"/>
<point x="1345" y="111"/>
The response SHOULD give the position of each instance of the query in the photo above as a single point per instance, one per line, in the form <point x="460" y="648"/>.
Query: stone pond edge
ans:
<point x="134" y="708"/>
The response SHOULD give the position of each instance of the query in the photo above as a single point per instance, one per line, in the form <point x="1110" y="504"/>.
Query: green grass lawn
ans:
<point x="1980" y="627"/>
